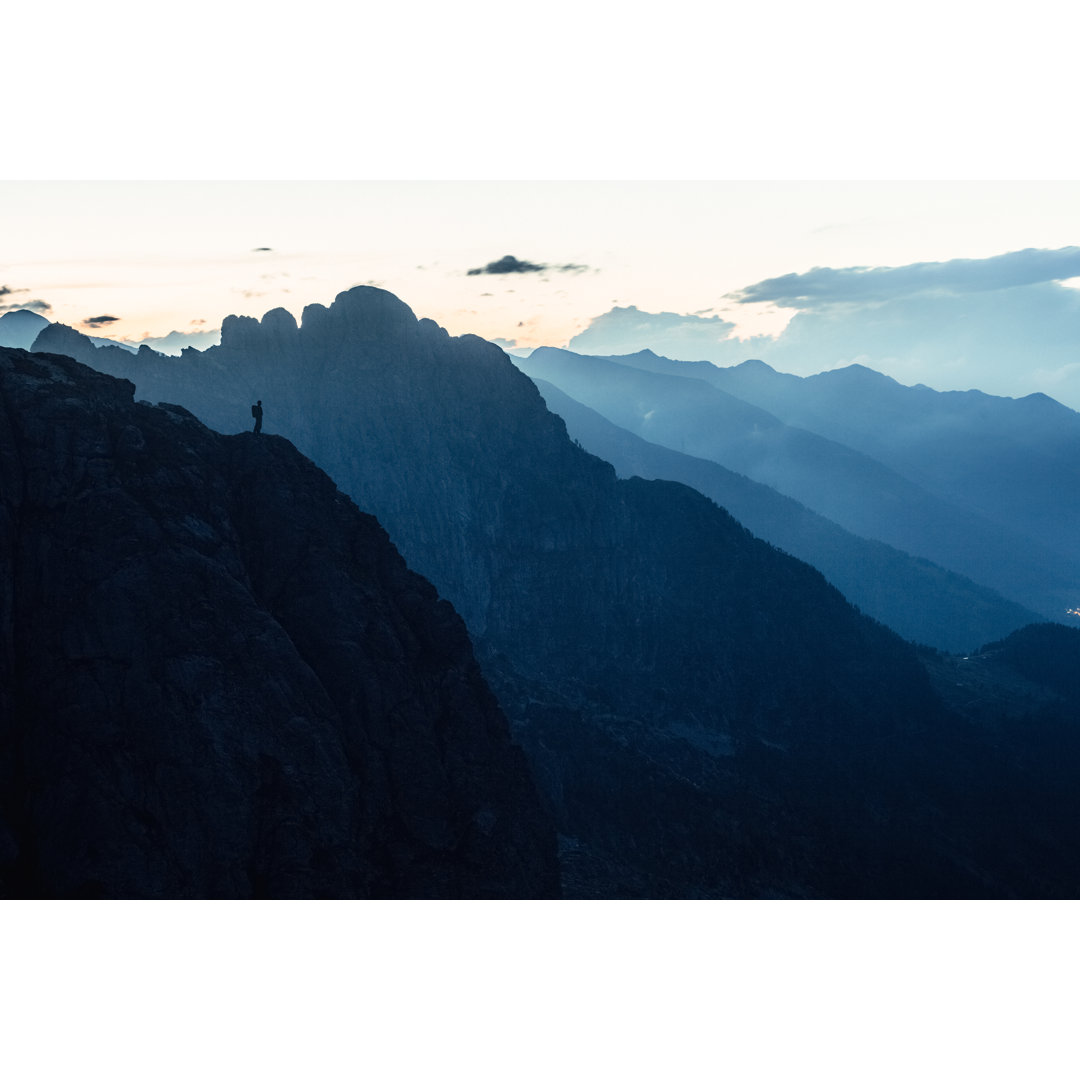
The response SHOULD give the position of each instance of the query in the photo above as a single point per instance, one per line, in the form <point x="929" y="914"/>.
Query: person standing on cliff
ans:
<point x="256" y="411"/>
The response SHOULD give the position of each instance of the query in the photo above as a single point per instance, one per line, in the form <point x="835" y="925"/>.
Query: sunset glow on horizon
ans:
<point x="162" y="256"/>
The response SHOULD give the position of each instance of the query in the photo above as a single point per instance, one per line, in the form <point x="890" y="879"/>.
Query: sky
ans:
<point x="528" y="176"/>
<point x="952" y="283"/>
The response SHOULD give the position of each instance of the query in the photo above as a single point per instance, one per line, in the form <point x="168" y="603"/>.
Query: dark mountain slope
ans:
<point x="845" y="485"/>
<point x="219" y="678"/>
<point x="920" y="601"/>
<point x="1023" y="694"/>
<point x="707" y="716"/>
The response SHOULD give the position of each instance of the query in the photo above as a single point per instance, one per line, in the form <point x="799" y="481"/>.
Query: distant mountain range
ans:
<point x="1015" y="461"/>
<point x="19" y="330"/>
<point x="916" y="598"/>
<point x="703" y="714"/>
<point x="671" y="404"/>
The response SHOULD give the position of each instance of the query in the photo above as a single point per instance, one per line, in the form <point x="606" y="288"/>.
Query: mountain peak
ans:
<point x="24" y="315"/>
<point x="370" y="303"/>
<point x="278" y="320"/>
<point x="753" y="364"/>
<point x="858" y="371"/>
<point x="18" y="328"/>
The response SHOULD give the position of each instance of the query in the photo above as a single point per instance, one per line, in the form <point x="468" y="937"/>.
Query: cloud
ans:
<point x="625" y="330"/>
<point x="508" y="264"/>
<point x="40" y="306"/>
<point x="1003" y="341"/>
<point x="823" y="286"/>
<point x="100" y="320"/>
<point x="262" y="249"/>
<point x="1010" y="340"/>
<point x="6" y="290"/>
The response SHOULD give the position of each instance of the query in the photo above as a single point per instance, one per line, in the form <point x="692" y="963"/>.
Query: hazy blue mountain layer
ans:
<point x="920" y="601"/>
<point x="705" y="715"/>
<point x="19" y="328"/>
<point x="219" y="679"/>
<point x="843" y="484"/>
<point x="1016" y="461"/>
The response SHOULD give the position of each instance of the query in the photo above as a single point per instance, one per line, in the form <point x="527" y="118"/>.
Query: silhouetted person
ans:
<point x="256" y="411"/>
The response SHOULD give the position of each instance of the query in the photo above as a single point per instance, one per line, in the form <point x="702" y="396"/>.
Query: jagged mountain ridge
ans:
<point x="920" y="601"/>
<point x="706" y="715"/>
<point x="856" y="491"/>
<point x="219" y="679"/>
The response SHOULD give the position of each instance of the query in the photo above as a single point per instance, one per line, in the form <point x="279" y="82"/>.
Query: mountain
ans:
<point x="704" y="715"/>
<point x="19" y="328"/>
<point x="102" y="342"/>
<point x="175" y="341"/>
<point x="1030" y="678"/>
<point x="843" y="484"/>
<point x="219" y="679"/>
<point x="920" y="601"/>
<point x="1016" y="461"/>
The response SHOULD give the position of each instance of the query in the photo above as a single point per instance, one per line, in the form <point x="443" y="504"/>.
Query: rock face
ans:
<point x="219" y="679"/>
<point x="705" y="715"/>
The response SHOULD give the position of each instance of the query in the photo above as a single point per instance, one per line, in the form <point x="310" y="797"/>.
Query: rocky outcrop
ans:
<point x="219" y="679"/>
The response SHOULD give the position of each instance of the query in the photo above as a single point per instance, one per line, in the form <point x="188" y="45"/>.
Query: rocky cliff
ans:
<point x="705" y="715"/>
<point x="219" y="679"/>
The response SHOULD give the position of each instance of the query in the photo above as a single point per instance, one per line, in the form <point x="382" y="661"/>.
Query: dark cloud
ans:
<point x="509" y="264"/>
<point x="7" y="290"/>
<point x="824" y="285"/>
<point x="100" y="320"/>
<point x="262" y="249"/>
<point x="40" y="306"/>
